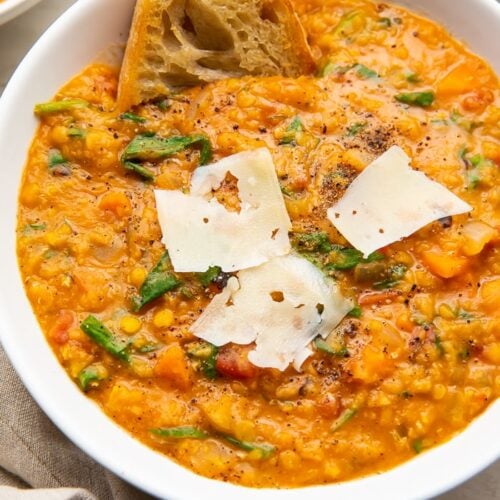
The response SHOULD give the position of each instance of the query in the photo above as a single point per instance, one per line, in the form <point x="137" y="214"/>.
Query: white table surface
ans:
<point x="16" y="38"/>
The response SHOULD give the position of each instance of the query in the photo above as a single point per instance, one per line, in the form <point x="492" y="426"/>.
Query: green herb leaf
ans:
<point x="91" y="376"/>
<point x="356" y="128"/>
<point x="333" y="68"/>
<point x="34" y="227"/>
<point x="181" y="432"/>
<point x="144" y="172"/>
<point x="147" y="147"/>
<point x="55" y="157"/>
<point x="209" y="275"/>
<point x="355" y="312"/>
<point x="159" y="281"/>
<point x="418" y="446"/>
<point x="132" y="117"/>
<point x="385" y="22"/>
<point x="395" y="274"/>
<point x="79" y="133"/>
<point x="412" y="77"/>
<point x="312" y="242"/>
<point x="115" y="345"/>
<point x="265" y="450"/>
<point x="58" y="106"/>
<point x="295" y="127"/>
<point x="324" y="346"/>
<point x="347" y="23"/>
<point x="422" y="99"/>
<point x="207" y="353"/>
<point x="344" y="417"/>
<point x="363" y="72"/>
<point x="439" y="345"/>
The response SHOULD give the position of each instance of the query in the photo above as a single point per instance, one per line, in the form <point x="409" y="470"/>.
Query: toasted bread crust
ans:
<point x="174" y="43"/>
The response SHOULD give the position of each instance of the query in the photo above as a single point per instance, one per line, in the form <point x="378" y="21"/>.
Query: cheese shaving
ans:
<point x="281" y="306"/>
<point x="199" y="232"/>
<point x="389" y="201"/>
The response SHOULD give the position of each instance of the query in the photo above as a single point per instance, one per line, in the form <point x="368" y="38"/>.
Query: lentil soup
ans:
<point x="419" y="356"/>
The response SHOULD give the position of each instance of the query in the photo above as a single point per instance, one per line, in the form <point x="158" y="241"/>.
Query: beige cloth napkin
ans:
<point x="35" y="454"/>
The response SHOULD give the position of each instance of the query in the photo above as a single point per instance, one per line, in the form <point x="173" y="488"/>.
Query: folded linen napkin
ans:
<point x="35" y="454"/>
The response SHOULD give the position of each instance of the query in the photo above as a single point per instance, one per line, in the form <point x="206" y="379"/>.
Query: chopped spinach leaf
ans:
<point x="58" y="106"/>
<point x="132" y="117"/>
<point x="159" y="281"/>
<point x="418" y="446"/>
<point x="412" y="77"/>
<point x="324" y="346"/>
<point x="147" y="147"/>
<point x="356" y="128"/>
<point x="395" y="275"/>
<point x="91" y="376"/>
<point x="115" y="345"/>
<point x="209" y="276"/>
<point x="348" y="23"/>
<point x="344" y="417"/>
<point x="439" y="345"/>
<point x="363" y="72"/>
<point x="385" y="22"/>
<point x="144" y="172"/>
<point x="264" y="450"/>
<point x="422" y="99"/>
<point x="312" y="242"/>
<point x="292" y="130"/>
<point x="34" y="227"/>
<point x="355" y="312"/>
<point x="181" y="432"/>
<point x="207" y="354"/>
<point x="79" y="133"/>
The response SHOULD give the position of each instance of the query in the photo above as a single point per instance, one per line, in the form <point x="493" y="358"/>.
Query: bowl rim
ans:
<point x="178" y="482"/>
<point x="13" y="8"/>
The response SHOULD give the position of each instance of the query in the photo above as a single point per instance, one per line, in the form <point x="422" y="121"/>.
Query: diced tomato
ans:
<point x="59" y="331"/>
<point x="232" y="362"/>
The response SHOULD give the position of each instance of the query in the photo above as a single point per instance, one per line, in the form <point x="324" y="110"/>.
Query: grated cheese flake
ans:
<point x="199" y="232"/>
<point x="389" y="201"/>
<point x="281" y="305"/>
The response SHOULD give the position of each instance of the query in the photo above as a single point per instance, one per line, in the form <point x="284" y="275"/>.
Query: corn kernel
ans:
<point x="446" y="312"/>
<point x="163" y="318"/>
<point x="439" y="391"/>
<point x="137" y="276"/>
<point x="30" y="195"/>
<point x="130" y="324"/>
<point x="59" y="135"/>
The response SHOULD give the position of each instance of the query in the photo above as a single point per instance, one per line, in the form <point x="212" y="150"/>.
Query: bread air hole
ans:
<point x="268" y="13"/>
<point x="203" y="28"/>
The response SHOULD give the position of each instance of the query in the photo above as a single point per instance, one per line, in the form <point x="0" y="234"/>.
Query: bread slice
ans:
<point x="176" y="43"/>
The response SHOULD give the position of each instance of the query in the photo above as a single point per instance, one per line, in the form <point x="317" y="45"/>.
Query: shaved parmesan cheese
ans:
<point x="281" y="306"/>
<point x="388" y="201"/>
<point x="199" y="232"/>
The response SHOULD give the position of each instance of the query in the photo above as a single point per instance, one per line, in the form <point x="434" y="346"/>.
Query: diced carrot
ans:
<point x="371" y="365"/>
<point x="173" y="365"/>
<point x="232" y="361"/>
<point x="117" y="202"/>
<point x="464" y="78"/>
<point x="445" y="265"/>
<point x="370" y="298"/>
<point x="490" y="293"/>
<point x="59" y="331"/>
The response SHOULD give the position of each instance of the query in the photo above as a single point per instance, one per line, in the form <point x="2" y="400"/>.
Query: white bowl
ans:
<point x="72" y="42"/>
<point x="9" y="9"/>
